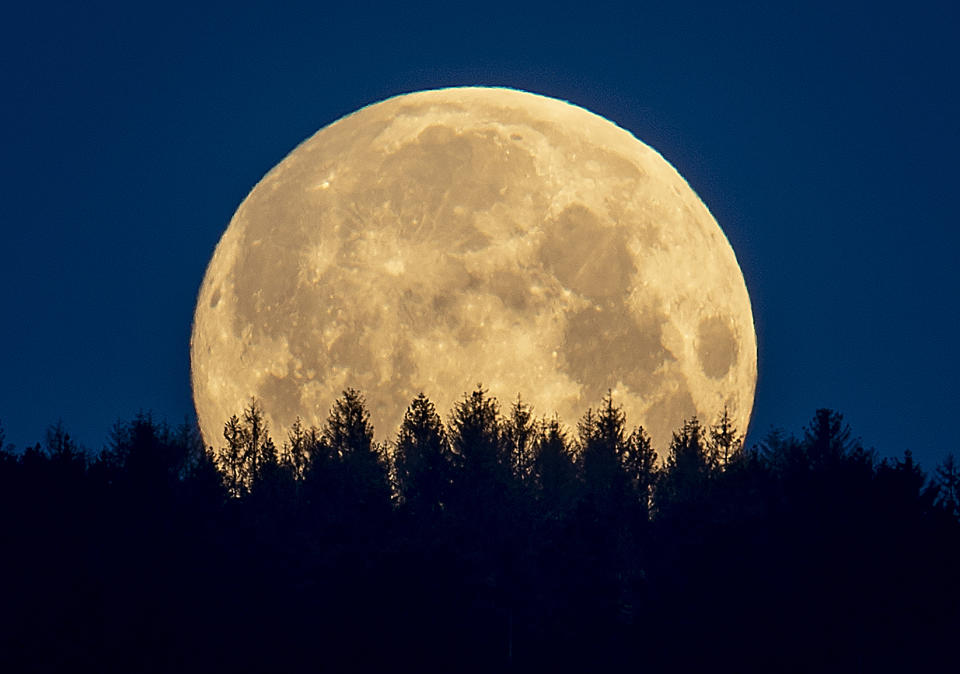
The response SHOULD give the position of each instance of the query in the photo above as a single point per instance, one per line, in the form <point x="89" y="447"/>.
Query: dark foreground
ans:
<point x="490" y="543"/>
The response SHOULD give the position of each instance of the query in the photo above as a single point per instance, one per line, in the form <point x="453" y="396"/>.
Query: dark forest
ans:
<point x="488" y="541"/>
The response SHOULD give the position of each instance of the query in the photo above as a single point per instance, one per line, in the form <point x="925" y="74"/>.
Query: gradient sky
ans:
<point x="824" y="137"/>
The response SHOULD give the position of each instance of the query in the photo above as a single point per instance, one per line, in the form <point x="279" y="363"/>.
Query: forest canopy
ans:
<point x="487" y="541"/>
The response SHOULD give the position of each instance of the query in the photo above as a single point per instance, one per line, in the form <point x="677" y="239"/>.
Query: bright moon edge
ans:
<point x="477" y="232"/>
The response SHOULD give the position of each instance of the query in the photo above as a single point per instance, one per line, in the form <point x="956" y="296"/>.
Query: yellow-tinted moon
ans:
<point x="444" y="238"/>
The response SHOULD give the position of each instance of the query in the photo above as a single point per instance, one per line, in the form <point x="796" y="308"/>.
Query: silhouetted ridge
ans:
<point x="495" y="541"/>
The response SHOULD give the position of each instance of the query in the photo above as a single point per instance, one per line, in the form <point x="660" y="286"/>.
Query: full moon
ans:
<point x="446" y="238"/>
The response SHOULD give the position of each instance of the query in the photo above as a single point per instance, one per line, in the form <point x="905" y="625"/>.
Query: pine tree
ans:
<point x="639" y="462"/>
<point x="187" y="435"/>
<point x="295" y="456"/>
<point x="230" y="458"/>
<point x="480" y="458"/>
<point x="62" y="450"/>
<point x="520" y="433"/>
<point x="948" y="483"/>
<point x="781" y="453"/>
<point x="204" y="483"/>
<point x="147" y="457"/>
<point x="603" y="449"/>
<point x="259" y="452"/>
<point x="827" y="439"/>
<point x="272" y="478"/>
<point x="688" y="466"/>
<point x="422" y="459"/>
<point x="724" y="442"/>
<point x="906" y="485"/>
<point x="348" y="437"/>
<point x="553" y="470"/>
<point x="250" y="454"/>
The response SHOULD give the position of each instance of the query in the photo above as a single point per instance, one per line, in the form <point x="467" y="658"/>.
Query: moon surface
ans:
<point x="446" y="238"/>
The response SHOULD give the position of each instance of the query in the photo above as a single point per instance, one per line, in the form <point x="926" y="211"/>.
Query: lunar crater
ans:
<point x="587" y="255"/>
<point x="608" y="343"/>
<point x="716" y="347"/>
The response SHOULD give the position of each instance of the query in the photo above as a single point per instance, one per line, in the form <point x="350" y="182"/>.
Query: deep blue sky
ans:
<point x="824" y="137"/>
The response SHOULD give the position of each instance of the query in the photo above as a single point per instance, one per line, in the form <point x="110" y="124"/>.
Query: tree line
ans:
<point x="492" y="541"/>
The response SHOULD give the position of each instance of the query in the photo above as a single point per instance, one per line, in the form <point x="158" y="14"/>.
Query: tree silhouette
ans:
<point x="905" y="485"/>
<point x="724" y="442"/>
<point x="554" y="470"/>
<point x="948" y="484"/>
<point x="794" y="555"/>
<point x="639" y="461"/>
<point x="487" y="516"/>
<point x="295" y="455"/>
<point x="250" y="457"/>
<point x="230" y="459"/>
<point x="603" y="450"/>
<point x="481" y="458"/>
<point x="202" y="482"/>
<point x="688" y="467"/>
<point x="423" y="460"/>
<point x="347" y="437"/>
<point x="520" y="433"/>
<point x="259" y="454"/>
<point x="782" y="453"/>
<point x="147" y="455"/>
<point x="62" y="450"/>
<point x="827" y="440"/>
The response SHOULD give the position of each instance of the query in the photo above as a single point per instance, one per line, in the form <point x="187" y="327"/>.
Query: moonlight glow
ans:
<point x="444" y="238"/>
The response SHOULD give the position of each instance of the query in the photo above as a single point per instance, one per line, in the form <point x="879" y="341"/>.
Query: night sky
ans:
<point x="824" y="138"/>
